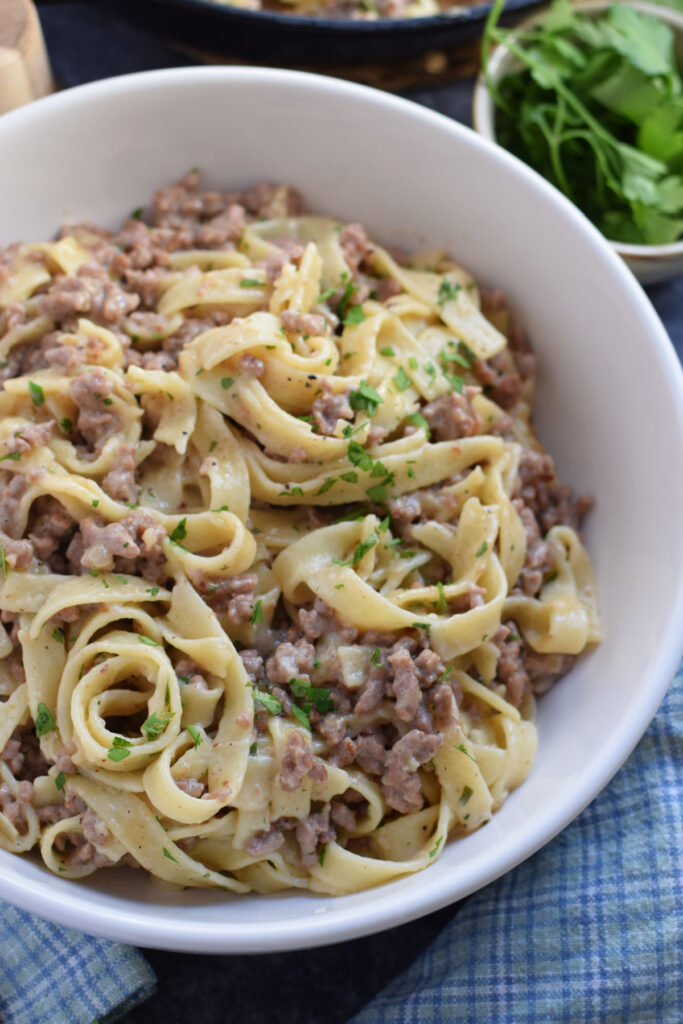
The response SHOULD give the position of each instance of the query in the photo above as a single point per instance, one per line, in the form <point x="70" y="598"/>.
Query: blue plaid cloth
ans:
<point x="52" y="975"/>
<point x="588" y="931"/>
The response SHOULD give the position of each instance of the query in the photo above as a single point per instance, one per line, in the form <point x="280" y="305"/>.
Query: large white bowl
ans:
<point x="610" y="409"/>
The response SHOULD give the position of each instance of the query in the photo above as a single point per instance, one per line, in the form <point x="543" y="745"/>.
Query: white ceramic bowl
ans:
<point x="610" y="409"/>
<point x="650" y="263"/>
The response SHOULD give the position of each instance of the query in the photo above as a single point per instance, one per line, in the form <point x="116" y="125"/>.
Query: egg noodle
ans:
<point x="280" y="660"/>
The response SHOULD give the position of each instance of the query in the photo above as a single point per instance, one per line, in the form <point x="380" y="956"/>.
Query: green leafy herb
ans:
<point x="36" y="392"/>
<point x="350" y="478"/>
<point x="463" y="750"/>
<point x="301" y="717"/>
<point x="365" y="399"/>
<point x="354" y="316"/>
<point x="257" y="614"/>
<point x="314" y="696"/>
<point x="65" y="425"/>
<point x="447" y="291"/>
<point x="180" y="532"/>
<point x="596" y="108"/>
<point x="45" y="720"/>
<point x="14" y="456"/>
<point x="387" y="351"/>
<point x="465" y="795"/>
<point x="442" y="598"/>
<point x="3" y="562"/>
<point x="376" y="658"/>
<point x="148" y="640"/>
<point x="328" y="483"/>
<point x="358" y="456"/>
<point x="227" y="382"/>
<point x="58" y="635"/>
<point x="266" y="700"/>
<point x="482" y="550"/>
<point x="120" y="749"/>
<point x="60" y="781"/>
<point x="434" y="851"/>
<point x="321" y="855"/>
<point x="195" y="734"/>
<point x="153" y="726"/>
<point x="252" y="749"/>
<point x="418" y="420"/>
<point x="251" y="282"/>
<point x="401" y="380"/>
<point x="169" y="855"/>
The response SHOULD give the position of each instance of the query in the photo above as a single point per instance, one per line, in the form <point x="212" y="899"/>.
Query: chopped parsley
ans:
<point x="465" y="795"/>
<point x="434" y="851"/>
<point x="387" y="351"/>
<point x="314" y="697"/>
<point x="448" y="291"/>
<point x="60" y="781"/>
<point x="424" y="626"/>
<point x="169" y="855"/>
<point x="195" y="734"/>
<point x="270" y="703"/>
<point x="360" y="551"/>
<point x="120" y="749"/>
<point x="325" y="487"/>
<point x="37" y="393"/>
<point x="350" y="478"/>
<point x="180" y="531"/>
<point x="14" y="456"/>
<point x="65" y="425"/>
<point x="257" y="614"/>
<point x="402" y="380"/>
<point x="301" y="717"/>
<point x="354" y="316"/>
<point x="463" y="750"/>
<point x="45" y="720"/>
<point x="250" y="282"/>
<point x="482" y="550"/>
<point x="227" y="382"/>
<point x="153" y="726"/>
<point x="365" y="399"/>
<point x="442" y="598"/>
<point x="3" y="562"/>
<point x="376" y="658"/>
<point x="252" y="749"/>
<point x="58" y="635"/>
<point x="358" y="456"/>
<point x="148" y="640"/>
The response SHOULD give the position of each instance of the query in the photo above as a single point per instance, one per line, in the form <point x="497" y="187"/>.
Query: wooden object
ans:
<point x="24" y="67"/>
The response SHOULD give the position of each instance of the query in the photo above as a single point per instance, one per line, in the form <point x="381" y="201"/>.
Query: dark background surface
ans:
<point x="94" y="39"/>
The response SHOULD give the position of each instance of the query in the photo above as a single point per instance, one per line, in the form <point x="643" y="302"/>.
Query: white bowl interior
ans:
<point x="610" y="410"/>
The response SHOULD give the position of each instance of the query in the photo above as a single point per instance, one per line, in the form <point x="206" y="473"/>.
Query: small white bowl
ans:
<point x="610" y="410"/>
<point x="649" y="263"/>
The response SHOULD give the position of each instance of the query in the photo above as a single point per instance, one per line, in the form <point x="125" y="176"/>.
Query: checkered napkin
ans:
<point x="588" y="931"/>
<point x="52" y="975"/>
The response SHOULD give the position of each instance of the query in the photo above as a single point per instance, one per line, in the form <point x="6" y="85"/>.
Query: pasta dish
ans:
<point x="354" y="10"/>
<point x="282" y="562"/>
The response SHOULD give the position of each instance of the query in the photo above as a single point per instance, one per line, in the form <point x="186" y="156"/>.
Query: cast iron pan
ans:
<point x="285" y="39"/>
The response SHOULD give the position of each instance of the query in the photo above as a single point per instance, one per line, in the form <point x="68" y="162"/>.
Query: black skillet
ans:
<point x="269" y="37"/>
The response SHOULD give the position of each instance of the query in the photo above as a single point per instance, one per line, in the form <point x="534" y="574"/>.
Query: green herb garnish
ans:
<point x="597" y="109"/>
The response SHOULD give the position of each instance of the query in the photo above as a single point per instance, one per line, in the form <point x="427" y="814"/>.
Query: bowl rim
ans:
<point x="483" y="111"/>
<point x="344" y="918"/>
